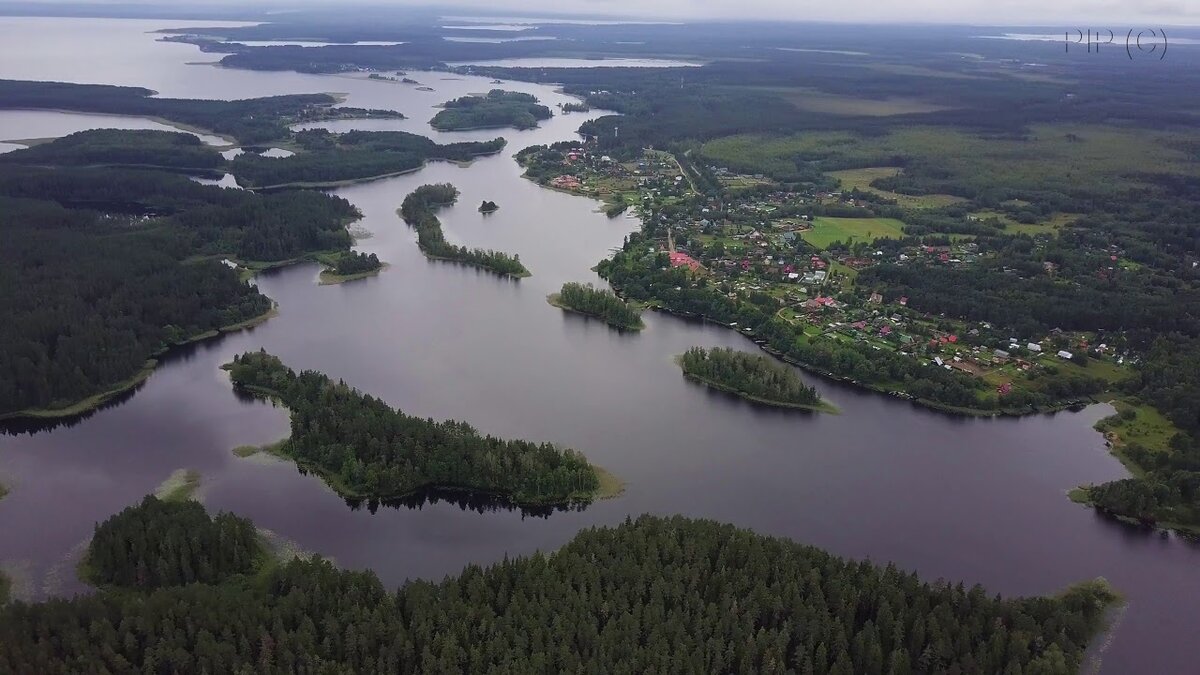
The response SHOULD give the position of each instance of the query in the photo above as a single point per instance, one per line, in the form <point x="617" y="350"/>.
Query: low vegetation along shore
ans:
<point x="597" y="303"/>
<point x="305" y="614"/>
<point x="365" y="449"/>
<point x="419" y="211"/>
<point x="350" y="266"/>
<point x="753" y="377"/>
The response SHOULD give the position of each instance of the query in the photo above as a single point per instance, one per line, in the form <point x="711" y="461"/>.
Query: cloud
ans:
<point x="1110" y="14"/>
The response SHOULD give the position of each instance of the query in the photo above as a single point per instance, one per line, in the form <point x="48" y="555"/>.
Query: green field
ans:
<point x="826" y="230"/>
<point x="1050" y="226"/>
<point x="860" y="179"/>
<point x="946" y="160"/>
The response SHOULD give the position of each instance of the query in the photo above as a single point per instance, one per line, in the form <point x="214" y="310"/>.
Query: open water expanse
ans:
<point x="982" y="501"/>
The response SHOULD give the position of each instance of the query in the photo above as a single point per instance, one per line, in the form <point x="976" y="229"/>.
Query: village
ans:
<point x="763" y="243"/>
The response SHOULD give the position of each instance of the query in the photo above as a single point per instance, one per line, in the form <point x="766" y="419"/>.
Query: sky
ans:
<point x="1106" y="14"/>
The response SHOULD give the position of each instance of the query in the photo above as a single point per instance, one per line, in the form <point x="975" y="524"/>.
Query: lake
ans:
<point x="977" y="500"/>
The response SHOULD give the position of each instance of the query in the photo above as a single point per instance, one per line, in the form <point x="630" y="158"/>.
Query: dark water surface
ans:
<point x="974" y="500"/>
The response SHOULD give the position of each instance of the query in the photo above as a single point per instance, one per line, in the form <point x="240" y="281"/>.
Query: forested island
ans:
<point x="364" y="448"/>
<point x="349" y="266"/>
<point x="419" y="211"/>
<point x="102" y="270"/>
<point x="498" y="108"/>
<point x="327" y="159"/>
<point x="598" y="303"/>
<point x="488" y="207"/>
<point x="753" y="377"/>
<point x="650" y="595"/>
<point x="158" y="543"/>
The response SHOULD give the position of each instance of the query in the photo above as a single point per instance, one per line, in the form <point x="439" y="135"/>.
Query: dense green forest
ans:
<point x="498" y="108"/>
<point x="600" y="303"/>
<point x="102" y="269"/>
<point x="169" y="543"/>
<point x="419" y="211"/>
<point x="254" y="120"/>
<point x="665" y="595"/>
<point x="365" y="448"/>
<point x="753" y="376"/>
<point x="331" y="158"/>
<point x="120" y="147"/>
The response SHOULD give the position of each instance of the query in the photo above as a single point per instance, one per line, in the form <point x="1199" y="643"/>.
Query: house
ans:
<point x="1001" y="355"/>
<point x="683" y="260"/>
<point x="875" y="299"/>
<point x="1034" y="347"/>
<point x="1064" y="354"/>
<point x="1004" y="389"/>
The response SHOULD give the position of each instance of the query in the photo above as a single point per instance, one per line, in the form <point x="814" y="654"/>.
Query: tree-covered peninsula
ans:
<point x="326" y="159"/>
<point x="598" y="303"/>
<point x="667" y="595"/>
<point x="348" y="266"/>
<point x="121" y="147"/>
<point x="498" y="108"/>
<point x="101" y="270"/>
<point x="419" y="210"/>
<point x="752" y="376"/>
<point x="366" y="449"/>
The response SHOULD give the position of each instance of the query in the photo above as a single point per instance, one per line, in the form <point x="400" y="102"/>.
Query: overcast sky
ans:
<point x="1110" y="14"/>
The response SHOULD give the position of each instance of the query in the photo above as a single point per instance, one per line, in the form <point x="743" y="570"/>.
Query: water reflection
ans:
<point x="466" y="500"/>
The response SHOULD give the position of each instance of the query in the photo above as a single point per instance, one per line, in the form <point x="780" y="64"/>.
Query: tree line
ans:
<point x="664" y="595"/>
<point x="365" y="448"/>
<point x="419" y="211"/>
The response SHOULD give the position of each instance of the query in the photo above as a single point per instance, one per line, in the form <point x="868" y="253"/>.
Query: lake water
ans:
<point x="973" y="500"/>
<point x="31" y="124"/>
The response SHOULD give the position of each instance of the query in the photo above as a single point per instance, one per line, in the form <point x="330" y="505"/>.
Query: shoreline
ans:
<point x="821" y="406"/>
<point x="555" y="300"/>
<point x="329" y="278"/>
<point x="348" y="182"/>
<point x="610" y="486"/>
<point x="656" y="305"/>
<point x="98" y="400"/>
<point x="516" y="276"/>
<point x="180" y="126"/>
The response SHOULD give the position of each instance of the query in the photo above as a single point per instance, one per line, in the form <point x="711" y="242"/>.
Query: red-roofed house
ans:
<point x="682" y="259"/>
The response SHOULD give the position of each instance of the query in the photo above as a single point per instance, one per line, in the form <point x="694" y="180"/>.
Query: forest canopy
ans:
<point x="169" y="543"/>
<point x="364" y="448"/>
<point x="101" y="270"/>
<point x="752" y="376"/>
<point x="498" y="108"/>
<point x="667" y="595"/>
<point x="600" y="303"/>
